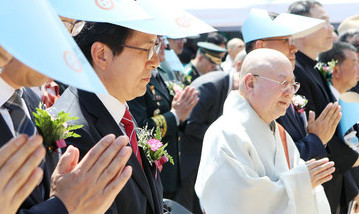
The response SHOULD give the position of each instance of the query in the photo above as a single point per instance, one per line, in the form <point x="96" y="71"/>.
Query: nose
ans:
<point x="154" y="61"/>
<point x="293" y="48"/>
<point x="331" y="28"/>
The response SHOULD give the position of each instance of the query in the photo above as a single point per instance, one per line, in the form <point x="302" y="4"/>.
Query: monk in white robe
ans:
<point x="243" y="167"/>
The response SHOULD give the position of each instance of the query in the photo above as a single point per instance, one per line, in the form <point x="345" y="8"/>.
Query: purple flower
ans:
<point x="154" y="144"/>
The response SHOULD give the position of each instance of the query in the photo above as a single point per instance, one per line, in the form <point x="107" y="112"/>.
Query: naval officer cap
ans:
<point x="260" y="24"/>
<point x="212" y="51"/>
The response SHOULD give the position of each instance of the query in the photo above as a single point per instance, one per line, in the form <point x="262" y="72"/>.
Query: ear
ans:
<point x="101" y="54"/>
<point x="259" y="44"/>
<point x="249" y="81"/>
<point x="336" y="72"/>
<point x="200" y="57"/>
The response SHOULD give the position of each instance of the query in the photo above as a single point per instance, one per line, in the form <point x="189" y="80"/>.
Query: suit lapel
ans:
<point x="105" y="125"/>
<point x="32" y="101"/>
<point x="316" y="76"/>
<point x="6" y="134"/>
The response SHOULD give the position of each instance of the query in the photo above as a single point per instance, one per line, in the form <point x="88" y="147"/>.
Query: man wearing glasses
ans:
<point x="249" y="164"/>
<point x="342" y="188"/>
<point x="159" y="108"/>
<point x="207" y="59"/>
<point x="123" y="59"/>
<point x="319" y="131"/>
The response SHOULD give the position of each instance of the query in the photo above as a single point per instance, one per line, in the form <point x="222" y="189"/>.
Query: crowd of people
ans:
<point x="243" y="125"/>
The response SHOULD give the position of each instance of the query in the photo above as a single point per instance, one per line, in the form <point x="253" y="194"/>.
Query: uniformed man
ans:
<point x="207" y="59"/>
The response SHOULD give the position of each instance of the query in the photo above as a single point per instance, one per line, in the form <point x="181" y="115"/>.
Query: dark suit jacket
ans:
<point x="36" y="203"/>
<point x="315" y="88"/>
<point x="143" y="192"/>
<point x="309" y="146"/>
<point x="213" y="90"/>
<point x="157" y="98"/>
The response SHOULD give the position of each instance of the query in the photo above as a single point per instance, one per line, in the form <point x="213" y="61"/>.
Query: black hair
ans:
<point x="250" y="46"/>
<point x="216" y="38"/>
<point x="113" y="36"/>
<point x="336" y="53"/>
<point x="302" y="7"/>
<point x="348" y="38"/>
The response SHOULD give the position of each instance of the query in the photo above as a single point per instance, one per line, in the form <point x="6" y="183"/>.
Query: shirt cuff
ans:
<point x="177" y="120"/>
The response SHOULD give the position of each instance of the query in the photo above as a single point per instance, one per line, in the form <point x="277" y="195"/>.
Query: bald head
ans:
<point x="263" y="60"/>
<point x="234" y="46"/>
<point x="264" y="72"/>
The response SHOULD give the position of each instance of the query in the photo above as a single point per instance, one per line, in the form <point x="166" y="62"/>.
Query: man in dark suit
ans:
<point x="311" y="139"/>
<point x="123" y="60"/>
<point x="158" y="108"/>
<point x="60" y="194"/>
<point x="19" y="159"/>
<point x="342" y="188"/>
<point x="321" y="130"/>
<point x="213" y="90"/>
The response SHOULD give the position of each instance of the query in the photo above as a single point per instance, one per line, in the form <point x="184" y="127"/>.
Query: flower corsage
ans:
<point x="54" y="129"/>
<point x="153" y="147"/>
<point x="326" y="69"/>
<point x="175" y="87"/>
<point x="299" y="103"/>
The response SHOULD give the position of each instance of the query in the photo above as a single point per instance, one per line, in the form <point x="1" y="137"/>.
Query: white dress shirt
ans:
<point x="6" y="91"/>
<point x="114" y="107"/>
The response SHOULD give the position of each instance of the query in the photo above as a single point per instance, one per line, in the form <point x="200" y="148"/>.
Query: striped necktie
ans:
<point x="22" y="123"/>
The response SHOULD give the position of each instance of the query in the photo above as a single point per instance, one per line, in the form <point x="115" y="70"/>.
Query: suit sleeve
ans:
<point x="53" y="205"/>
<point x="311" y="147"/>
<point x="198" y="122"/>
<point x="166" y="121"/>
<point x="338" y="151"/>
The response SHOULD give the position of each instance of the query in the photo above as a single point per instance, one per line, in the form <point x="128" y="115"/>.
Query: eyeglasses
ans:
<point x="151" y="51"/>
<point x="294" y="87"/>
<point x="290" y="41"/>
<point x="74" y="27"/>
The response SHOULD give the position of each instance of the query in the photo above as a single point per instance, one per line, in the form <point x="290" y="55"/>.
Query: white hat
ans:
<point x="169" y="20"/>
<point x="166" y="18"/>
<point x="260" y="25"/>
<point x="99" y="10"/>
<point x="349" y="23"/>
<point x="33" y="33"/>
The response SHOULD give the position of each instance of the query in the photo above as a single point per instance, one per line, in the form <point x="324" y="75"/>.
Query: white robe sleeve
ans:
<point x="231" y="179"/>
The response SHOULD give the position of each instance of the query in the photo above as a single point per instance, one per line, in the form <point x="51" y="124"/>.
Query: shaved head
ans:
<point x="263" y="60"/>
<point x="262" y="79"/>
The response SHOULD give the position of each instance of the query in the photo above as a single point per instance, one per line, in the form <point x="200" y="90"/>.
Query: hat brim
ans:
<point x="259" y="25"/>
<point x="167" y="20"/>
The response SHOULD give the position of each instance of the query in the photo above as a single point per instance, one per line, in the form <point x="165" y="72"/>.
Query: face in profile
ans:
<point x="177" y="45"/>
<point x="348" y="70"/>
<point x="128" y="73"/>
<point x="322" y="39"/>
<point x="269" y="85"/>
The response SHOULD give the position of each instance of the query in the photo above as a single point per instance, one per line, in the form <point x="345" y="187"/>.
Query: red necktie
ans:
<point x="130" y="131"/>
<point x="47" y="98"/>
